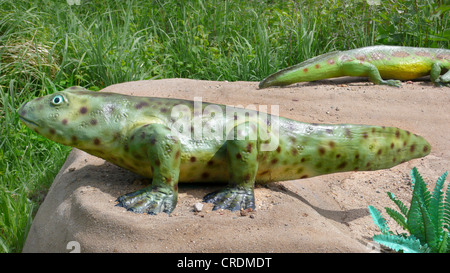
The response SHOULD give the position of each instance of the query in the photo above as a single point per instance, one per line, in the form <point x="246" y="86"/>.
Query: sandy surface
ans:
<point x="321" y="214"/>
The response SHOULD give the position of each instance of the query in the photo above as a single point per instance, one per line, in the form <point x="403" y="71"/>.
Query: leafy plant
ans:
<point x="49" y="45"/>
<point x="427" y="219"/>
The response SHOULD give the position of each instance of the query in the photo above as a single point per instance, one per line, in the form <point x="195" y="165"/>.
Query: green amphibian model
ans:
<point x="159" y="138"/>
<point x="376" y="62"/>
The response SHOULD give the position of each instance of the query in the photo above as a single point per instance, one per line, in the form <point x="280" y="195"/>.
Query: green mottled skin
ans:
<point x="134" y="133"/>
<point x="376" y="62"/>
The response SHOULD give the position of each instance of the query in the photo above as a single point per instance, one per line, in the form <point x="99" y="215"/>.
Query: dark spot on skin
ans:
<point x="97" y="141"/>
<point x="368" y="164"/>
<point x="64" y="121"/>
<point x="303" y="160"/>
<point x="412" y="148"/>
<point x="177" y="155"/>
<point x="332" y="144"/>
<point x="249" y="147"/>
<point x="404" y="143"/>
<point x="342" y="165"/>
<point x="193" y="159"/>
<point x="425" y="149"/>
<point x="305" y="70"/>
<point x="153" y="140"/>
<point x="379" y="152"/>
<point x="357" y="156"/>
<point x="338" y="155"/>
<point x="93" y="122"/>
<point x="348" y="133"/>
<point x="143" y="135"/>
<point x="394" y="159"/>
<point x="317" y="66"/>
<point x="238" y="156"/>
<point x="278" y="149"/>
<point x="392" y="145"/>
<point x="274" y="161"/>
<point x="397" y="133"/>
<point x="247" y="177"/>
<point x="168" y="180"/>
<point x="157" y="162"/>
<point x="205" y="175"/>
<point x="321" y="150"/>
<point x="83" y="110"/>
<point x="264" y="157"/>
<point x="304" y="176"/>
<point x="443" y="56"/>
<point x="264" y="172"/>
<point x="210" y="163"/>
<point x="423" y="54"/>
<point x="52" y="131"/>
<point x="126" y="148"/>
<point x="365" y="135"/>
<point x="138" y="156"/>
<point x="74" y="138"/>
<point x="163" y="110"/>
<point x="132" y="138"/>
<point x="330" y="61"/>
<point x="377" y="56"/>
<point x="141" y="104"/>
<point x="361" y="57"/>
<point x="294" y="151"/>
<point x="400" y="54"/>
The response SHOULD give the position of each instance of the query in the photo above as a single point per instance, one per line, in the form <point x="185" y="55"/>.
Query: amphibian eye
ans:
<point x="57" y="100"/>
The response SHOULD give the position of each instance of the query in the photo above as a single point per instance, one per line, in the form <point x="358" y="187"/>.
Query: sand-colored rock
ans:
<point x="321" y="214"/>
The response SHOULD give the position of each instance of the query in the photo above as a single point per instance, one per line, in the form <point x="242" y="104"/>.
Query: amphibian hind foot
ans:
<point x="233" y="199"/>
<point x="151" y="200"/>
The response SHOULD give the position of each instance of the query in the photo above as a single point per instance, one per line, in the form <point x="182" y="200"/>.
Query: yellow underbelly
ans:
<point x="404" y="71"/>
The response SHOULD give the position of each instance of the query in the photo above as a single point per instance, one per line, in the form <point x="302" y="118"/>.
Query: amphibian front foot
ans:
<point x="151" y="200"/>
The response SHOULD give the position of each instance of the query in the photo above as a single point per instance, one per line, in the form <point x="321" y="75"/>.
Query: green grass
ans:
<point x="49" y="45"/>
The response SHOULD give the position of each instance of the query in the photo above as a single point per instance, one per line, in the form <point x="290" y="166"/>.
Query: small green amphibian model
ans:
<point x="394" y="63"/>
<point x="159" y="138"/>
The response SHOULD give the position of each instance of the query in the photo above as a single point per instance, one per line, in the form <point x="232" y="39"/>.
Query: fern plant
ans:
<point x="427" y="219"/>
